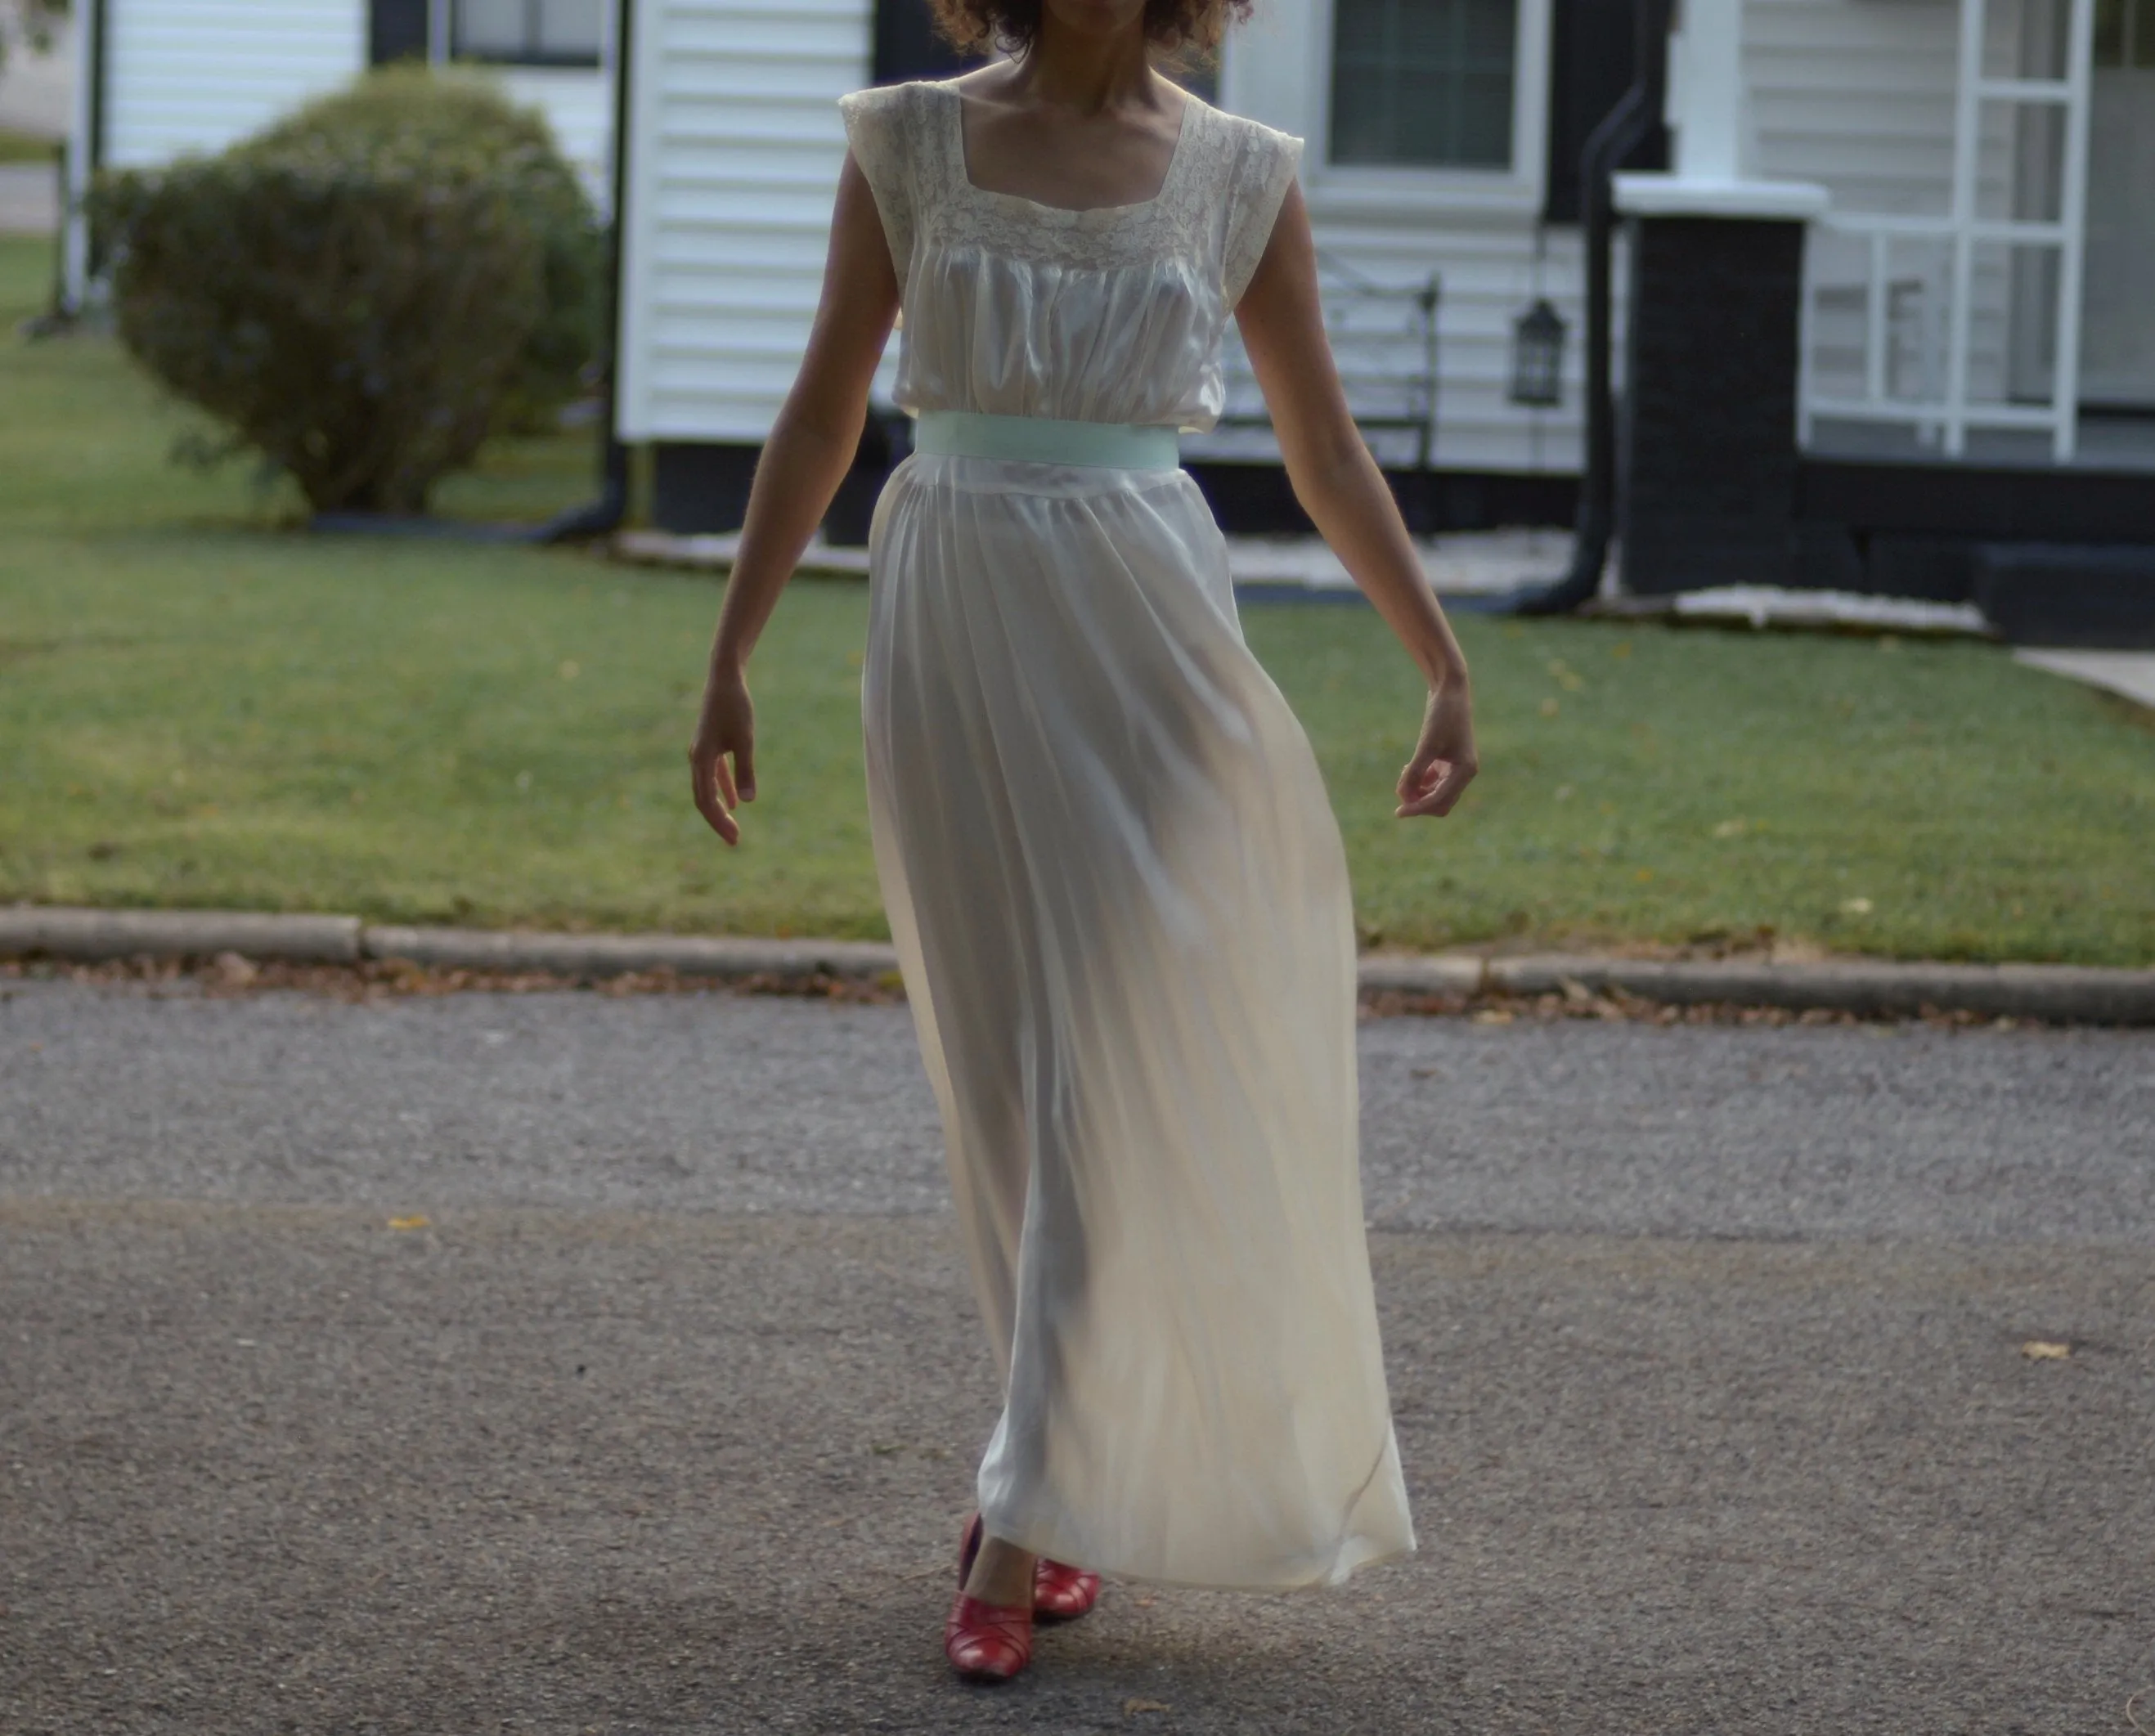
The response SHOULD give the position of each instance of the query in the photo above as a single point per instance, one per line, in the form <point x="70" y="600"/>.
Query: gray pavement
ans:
<point x="725" y="1102"/>
<point x="1707" y="1346"/>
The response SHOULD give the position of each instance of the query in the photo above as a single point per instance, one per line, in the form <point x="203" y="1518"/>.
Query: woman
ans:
<point x="1115" y="885"/>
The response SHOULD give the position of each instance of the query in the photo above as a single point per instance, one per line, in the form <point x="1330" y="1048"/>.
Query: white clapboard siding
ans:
<point x="578" y="104"/>
<point x="1488" y="278"/>
<point x="1475" y="231"/>
<point x="734" y="153"/>
<point x="1856" y="95"/>
<point x="736" y="146"/>
<point x="196" y="74"/>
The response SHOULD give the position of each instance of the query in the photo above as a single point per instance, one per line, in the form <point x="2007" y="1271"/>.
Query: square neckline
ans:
<point x="963" y="174"/>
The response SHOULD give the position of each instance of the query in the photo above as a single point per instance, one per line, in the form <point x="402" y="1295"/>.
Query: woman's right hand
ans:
<point x="725" y="729"/>
<point x="1445" y="760"/>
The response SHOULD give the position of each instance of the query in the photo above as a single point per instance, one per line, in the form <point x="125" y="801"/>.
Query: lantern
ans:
<point x="1538" y="357"/>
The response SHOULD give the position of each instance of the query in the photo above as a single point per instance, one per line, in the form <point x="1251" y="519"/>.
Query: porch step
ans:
<point x="2089" y="595"/>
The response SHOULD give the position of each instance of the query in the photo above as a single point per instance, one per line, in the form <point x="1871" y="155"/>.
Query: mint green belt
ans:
<point x="1046" y="440"/>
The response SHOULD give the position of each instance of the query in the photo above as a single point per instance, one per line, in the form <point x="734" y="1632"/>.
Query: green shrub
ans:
<point x="404" y="111"/>
<point x="364" y="291"/>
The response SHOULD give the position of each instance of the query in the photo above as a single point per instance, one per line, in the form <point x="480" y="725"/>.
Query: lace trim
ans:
<point x="1180" y="220"/>
<point x="878" y="133"/>
<point x="1260" y="179"/>
<point x="1214" y="210"/>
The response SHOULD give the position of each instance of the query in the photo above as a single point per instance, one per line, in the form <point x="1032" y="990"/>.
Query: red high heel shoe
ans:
<point x="1061" y="1592"/>
<point x="984" y="1642"/>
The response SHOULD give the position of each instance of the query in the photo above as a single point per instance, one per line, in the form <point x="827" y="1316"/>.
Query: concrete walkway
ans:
<point x="35" y="94"/>
<point x="2129" y="674"/>
<point x="37" y="91"/>
<point x="29" y="199"/>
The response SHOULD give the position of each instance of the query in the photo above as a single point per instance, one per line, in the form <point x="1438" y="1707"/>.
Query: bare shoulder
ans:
<point x="989" y="83"/>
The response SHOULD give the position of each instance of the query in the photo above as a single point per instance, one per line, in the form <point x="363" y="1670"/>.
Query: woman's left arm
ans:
<point x="1344" y="494"/>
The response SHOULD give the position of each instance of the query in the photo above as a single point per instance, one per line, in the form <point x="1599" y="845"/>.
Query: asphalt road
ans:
<point x="1707" y="1347"/>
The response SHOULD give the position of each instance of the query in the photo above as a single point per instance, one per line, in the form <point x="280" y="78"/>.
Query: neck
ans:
<point x="1088" y="70"/>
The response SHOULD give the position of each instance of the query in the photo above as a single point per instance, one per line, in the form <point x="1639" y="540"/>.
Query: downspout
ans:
<point x="85" y="157"/>
<point x="602" y="516"/>
<point x="1607" y="147"/>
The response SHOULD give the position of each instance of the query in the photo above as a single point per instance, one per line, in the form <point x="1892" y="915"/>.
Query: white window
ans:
<point x="546" y="32"/>
<point x="1424" y="83"/>
<point x="1428" y="106"/>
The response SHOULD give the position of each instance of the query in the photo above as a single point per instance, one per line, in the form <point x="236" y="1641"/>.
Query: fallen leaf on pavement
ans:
<point x="413" y="1222"/>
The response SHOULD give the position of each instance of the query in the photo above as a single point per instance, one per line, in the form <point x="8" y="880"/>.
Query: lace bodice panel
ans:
<point x="1020" y="308"/>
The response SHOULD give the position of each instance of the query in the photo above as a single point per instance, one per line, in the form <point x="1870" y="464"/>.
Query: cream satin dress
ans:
<point x="1118" y="891"/>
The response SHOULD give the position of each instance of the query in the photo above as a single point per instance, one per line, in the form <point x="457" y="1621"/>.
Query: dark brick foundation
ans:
<point x="1706" y="435"/>
<point x="2081" y="594"/>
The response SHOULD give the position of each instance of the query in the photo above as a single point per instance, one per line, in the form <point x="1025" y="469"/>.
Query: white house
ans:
<point x="1983" y="279"/>
<point x="1884" y="284"/>
<point x="1959" y="194"/>
<point x="1432" y="126"/>
<point x="159" y="78"/>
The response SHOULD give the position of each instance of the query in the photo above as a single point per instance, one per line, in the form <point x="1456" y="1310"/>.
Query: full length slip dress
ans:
<point x="1118" y="891"/>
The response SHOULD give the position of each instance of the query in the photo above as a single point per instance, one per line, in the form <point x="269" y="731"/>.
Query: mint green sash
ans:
<point x="1045" y="440"/>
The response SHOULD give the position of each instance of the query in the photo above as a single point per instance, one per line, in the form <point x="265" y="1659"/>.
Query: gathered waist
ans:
<point x="1047" y="440"/>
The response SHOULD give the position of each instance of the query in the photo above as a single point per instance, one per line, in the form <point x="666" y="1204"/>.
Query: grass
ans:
<point x="203" y="705"/>
<point x="22" y="147"/>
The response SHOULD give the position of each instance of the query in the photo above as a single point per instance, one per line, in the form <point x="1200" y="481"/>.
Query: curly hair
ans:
<point x="974" y="26"/>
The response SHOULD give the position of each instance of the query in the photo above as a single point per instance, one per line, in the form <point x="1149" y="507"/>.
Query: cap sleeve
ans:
<point x="877" y="137"/>
<point x="1264" y="167"/>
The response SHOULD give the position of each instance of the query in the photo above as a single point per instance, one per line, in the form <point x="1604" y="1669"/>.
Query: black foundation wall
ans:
<point x="698" y="487"/>
<point x="1257" y="501"/>
<point x="1707" y="437"/>
<point x="702" y="486"/>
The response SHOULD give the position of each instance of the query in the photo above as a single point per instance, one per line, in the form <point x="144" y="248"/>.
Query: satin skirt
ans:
<point x="1121" y="907"/>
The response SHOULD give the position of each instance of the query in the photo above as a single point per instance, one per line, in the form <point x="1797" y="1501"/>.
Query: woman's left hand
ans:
<point x="1444" y="761"/>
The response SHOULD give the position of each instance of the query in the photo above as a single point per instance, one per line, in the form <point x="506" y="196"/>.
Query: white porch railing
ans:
<point x="1925" y="306"/>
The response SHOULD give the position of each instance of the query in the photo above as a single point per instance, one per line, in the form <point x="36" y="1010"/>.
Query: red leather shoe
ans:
<point x="984" y="1642"/>
<point x="1061" y="1593"/>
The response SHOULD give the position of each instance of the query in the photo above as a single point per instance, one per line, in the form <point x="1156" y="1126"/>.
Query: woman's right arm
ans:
<point x="811" y="446"/>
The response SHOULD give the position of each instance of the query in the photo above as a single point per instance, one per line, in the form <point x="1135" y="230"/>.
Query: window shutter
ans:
<point x="396" y="30"/>
<point x="1591" y="68"/>
<point x="907" y="46"/>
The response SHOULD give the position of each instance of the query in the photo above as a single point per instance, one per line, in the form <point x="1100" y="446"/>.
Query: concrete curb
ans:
<point x="57" y="932"/>
<point x="2069" y="994"/>
<point x="2065" y="993"/>
<point x="613" y="955"/>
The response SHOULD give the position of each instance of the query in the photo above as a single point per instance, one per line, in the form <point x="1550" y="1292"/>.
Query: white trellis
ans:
<point x="1918" y="334"/>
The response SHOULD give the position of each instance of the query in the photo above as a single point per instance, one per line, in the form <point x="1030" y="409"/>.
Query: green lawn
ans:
<point x="202" y="705"/>
<point x="22" y="147"/>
